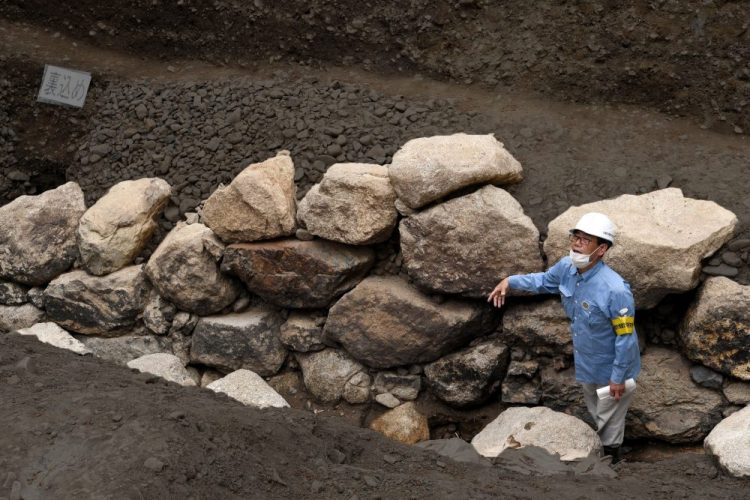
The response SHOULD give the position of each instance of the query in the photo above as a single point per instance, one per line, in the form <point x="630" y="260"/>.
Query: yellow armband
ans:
<point x="623" y="325"/>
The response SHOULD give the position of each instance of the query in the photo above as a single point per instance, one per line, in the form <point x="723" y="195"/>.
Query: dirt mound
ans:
<point x="682" y="57"/>
<point x="77" y="427"/>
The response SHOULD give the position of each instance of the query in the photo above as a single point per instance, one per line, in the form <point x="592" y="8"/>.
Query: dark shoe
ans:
<point x="614" y="452"/>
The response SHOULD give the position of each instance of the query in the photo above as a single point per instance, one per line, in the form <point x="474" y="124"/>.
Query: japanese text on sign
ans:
<point x="64" y="86"/>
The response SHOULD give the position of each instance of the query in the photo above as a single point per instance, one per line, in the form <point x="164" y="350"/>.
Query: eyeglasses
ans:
<point x="583" y="239"/>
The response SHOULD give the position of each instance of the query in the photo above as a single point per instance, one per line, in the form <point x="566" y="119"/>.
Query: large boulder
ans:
<point x="385" y="322"/>
<point x="729" y="442"/>
<point x="117" y="227"/>
<point x="167" y="366"/>
<point x="716" y="329"/>
<point x="327" y="373"/>
<point x="126" y="348"/>
<point x="403" y="424"/>
<point x="540" y="326"/>
<point x="298" y="274"/>
<point x="38" y="235"/>
<point x="556" y="432"/>
<point x="247" y="340"/>
<point x="466" y="245"/>
<point x="185" y="270"/>
<point x="661" y="239"/>
<point x="259" y="204"/>
<point x="353" y="203"/>
<point x="98" y="305"/>
<point x="52" y="334"/>
<point x="667" y="404"/>
<point x="429" y="168"/>
<point x="23" y="316"/>
<point x="249" y="389"/>
<point x="469" y="376"/>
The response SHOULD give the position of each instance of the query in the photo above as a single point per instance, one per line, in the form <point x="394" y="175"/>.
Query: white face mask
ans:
<point x="581" y="260"/>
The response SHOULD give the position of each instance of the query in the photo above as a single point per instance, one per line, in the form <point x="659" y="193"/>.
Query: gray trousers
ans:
<point x="608" y="414"/>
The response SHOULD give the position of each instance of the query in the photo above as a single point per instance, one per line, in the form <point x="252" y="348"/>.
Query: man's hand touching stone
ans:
<point x="497" y="296"/>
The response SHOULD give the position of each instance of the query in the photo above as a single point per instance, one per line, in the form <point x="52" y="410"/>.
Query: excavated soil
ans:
<point x="77" y="427"/>
<point x="594" y="99"/>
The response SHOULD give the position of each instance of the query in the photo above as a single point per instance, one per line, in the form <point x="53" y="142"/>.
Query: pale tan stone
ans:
<point x="661" y="239"/>
<point x="258" y="204"/>
<point x="429" y="168"/>
<point x="118" y="226"/>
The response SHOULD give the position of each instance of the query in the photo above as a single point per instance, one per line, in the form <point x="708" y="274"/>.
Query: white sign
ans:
<point x="64" y="86"/>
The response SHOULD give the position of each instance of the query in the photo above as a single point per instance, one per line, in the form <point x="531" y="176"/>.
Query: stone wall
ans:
<point x="284" y="284"/>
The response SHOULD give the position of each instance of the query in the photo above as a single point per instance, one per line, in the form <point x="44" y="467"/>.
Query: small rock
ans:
<point x="304" y="235"/>
<point x="706" y="377"/>
<point x="663" y="181"/>
<point x="154" y="464"/>
<point x="388" y="400"/>
<point x="721" y="270"/>
<point x="731" y="259"/>
<point x="740" y="244"/>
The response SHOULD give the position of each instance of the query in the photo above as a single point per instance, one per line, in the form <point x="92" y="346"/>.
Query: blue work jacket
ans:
<point x="601" y="309"/>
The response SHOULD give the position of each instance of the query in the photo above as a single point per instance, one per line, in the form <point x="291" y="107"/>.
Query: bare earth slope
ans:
<point x="76" y="427"/>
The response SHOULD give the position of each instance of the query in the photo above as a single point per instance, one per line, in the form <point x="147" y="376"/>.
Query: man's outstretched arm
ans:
<point x="546" y="282"/>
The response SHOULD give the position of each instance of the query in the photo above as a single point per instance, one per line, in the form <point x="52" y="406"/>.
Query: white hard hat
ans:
<point x="597" y="224"/>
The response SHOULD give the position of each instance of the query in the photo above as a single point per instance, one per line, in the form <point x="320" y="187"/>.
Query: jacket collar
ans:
<point x="590" y="273"/>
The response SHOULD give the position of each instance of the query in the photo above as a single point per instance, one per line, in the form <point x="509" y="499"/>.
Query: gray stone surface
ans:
<point x="38" y="235"/>
<point x="737" y="392"/>
<point x="98" y="305"/>
<point x="540" y="326"/>
<point x="249" y="389"/>
<point x="248" y="340"/>
<point x="353" y="204"/>
<point x="51" y="333"/>
<point x="303" y="332"/>
<point x="158" y="314"/>
<point x="469" y="376"/>
<point x="126" y="348"/>
<point x="404" y="387"/>
<point x="667" y="405"/>
<point x="429" y="168"/>
<point x="520" y="390"/>
<point x="185" y="270"/>
<point x="23" y="316"/>
<point x="706" y="377"/>
<point x="556" y="432"/>
<point x="402" y="325"/>
<point x="327" y="373"/>
<point x="164" y="365"/>
<point x="465" y="245"/>
<point x="561" y="392"/>
<point x="729" y="443"/>
<point x="12" y="294"/>
<point x="298" y="274"/>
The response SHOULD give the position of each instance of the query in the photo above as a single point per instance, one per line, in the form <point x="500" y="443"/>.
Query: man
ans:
<point x="600" y="306"/>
